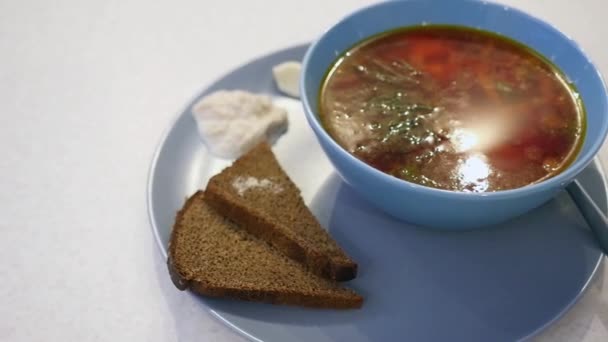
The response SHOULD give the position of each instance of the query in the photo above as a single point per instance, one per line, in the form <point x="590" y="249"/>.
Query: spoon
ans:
<point x="595" y="218"/>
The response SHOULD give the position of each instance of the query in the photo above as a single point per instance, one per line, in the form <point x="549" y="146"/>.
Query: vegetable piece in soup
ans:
<point x="453" y="108"/>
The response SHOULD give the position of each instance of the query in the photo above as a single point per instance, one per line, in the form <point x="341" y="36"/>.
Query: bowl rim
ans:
<point x="558" y="181"/>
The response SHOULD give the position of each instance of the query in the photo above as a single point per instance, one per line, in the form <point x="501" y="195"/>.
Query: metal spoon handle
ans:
<point x="595" y="218"/>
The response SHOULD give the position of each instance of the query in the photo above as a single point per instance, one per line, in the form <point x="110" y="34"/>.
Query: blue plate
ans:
<point x="500" y="284"/>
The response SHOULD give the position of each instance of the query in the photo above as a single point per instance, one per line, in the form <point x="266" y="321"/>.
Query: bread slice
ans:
<point x="256" y="193"/>
<point x="212" y="256"/>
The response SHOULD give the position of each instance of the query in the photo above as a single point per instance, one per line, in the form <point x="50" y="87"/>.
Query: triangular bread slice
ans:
<point x="213" y="256"/>
<point x="256" y="193"/>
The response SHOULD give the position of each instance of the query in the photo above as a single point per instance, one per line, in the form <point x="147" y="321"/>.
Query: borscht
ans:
<point x="453" y="108"/>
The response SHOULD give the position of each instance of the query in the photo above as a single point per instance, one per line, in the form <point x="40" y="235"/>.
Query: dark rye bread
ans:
<point x="212" y="256"/>
<point x="256" y="193"/>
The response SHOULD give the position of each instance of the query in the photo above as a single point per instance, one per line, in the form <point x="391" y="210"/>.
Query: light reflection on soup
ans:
<point x="452" y="108"/>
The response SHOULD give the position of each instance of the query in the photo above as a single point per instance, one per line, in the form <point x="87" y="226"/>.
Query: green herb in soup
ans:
<point x="453" y="108"/>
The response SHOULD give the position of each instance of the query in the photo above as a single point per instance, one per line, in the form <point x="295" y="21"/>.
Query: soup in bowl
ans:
<point x="452" y="108"/>
<point x="453" y="116"/>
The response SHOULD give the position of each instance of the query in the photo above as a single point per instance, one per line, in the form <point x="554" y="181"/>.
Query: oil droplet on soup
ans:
<point x="453" y="108"/>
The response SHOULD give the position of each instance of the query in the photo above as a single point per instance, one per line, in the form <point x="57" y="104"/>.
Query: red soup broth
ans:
<point x="453" y="108"/>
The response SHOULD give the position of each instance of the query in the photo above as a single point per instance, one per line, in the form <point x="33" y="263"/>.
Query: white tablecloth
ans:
<point x="86" y="89"/>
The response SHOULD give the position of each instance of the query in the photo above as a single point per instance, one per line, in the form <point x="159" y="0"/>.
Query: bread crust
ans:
<point x="179" y="279"/>
<point x="279" y="297"/>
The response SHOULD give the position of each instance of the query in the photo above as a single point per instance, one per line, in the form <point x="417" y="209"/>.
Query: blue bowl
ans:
<point x="430" y="207"/>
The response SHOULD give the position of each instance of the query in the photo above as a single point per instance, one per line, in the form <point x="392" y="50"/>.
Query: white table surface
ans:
<point x="86" y="90"/>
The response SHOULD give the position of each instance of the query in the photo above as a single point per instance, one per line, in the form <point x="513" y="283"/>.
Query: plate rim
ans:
<point x="163" y="249"/>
